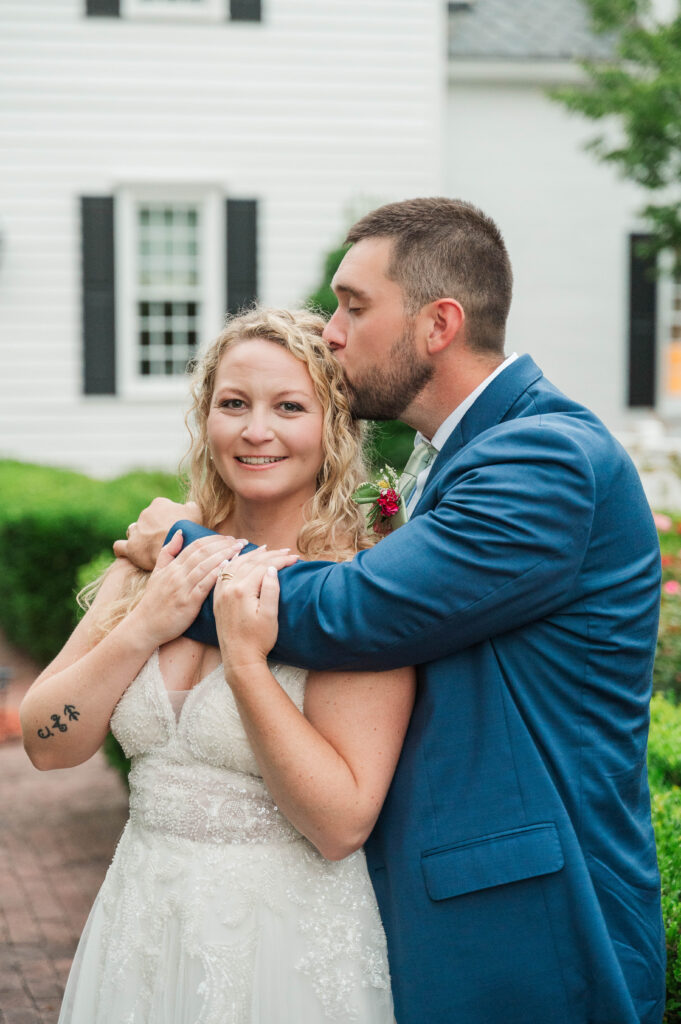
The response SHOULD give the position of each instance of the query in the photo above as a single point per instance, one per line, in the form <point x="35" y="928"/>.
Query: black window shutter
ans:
<point x="642" y="324"/>
<point x="245" y="10"/>
<point x="103" y="8"/>
<point x="99" y="329"/>
<point x="242" y="253"/>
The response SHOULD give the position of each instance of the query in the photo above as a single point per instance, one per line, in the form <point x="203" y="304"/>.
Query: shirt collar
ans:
<point x="447" y="426"/>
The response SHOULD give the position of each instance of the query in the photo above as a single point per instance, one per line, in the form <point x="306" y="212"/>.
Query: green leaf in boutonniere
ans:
<point x="366" y="493"/>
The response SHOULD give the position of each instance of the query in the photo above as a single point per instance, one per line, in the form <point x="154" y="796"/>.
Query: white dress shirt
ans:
<point x="443" y="432"/>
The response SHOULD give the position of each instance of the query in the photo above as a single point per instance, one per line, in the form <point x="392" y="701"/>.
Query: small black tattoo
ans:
<point x="71" y="713"/>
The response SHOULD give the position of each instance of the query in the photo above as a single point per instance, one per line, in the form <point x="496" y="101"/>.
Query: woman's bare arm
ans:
<point x="65" y="714"/>
<point x="329" y="769"/>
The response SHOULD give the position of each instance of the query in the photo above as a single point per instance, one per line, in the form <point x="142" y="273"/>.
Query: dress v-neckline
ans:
<point x="158" y="675"/>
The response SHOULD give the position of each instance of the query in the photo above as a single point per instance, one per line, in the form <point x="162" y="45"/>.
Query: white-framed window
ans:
<point x="168" y="10"/>
<point x="170" y="273"/>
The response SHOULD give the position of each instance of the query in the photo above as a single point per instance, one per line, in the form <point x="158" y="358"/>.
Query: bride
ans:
<point x="238" y="891"/>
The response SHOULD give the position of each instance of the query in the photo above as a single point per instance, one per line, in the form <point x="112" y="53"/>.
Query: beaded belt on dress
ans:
<point x="205" y="804"/>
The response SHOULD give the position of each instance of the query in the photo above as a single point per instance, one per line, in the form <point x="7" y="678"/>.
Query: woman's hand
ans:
<point x="246" y="605"/>
<point x="179" y="584"/>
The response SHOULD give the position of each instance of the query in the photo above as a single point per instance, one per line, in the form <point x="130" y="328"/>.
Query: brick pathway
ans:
<point x="58" y="831"/>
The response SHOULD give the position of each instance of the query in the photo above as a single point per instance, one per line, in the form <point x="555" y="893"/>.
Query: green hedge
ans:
<point x="51" y="522"/>
<point x="667" y="822"/>
<point x="664" y="745"/>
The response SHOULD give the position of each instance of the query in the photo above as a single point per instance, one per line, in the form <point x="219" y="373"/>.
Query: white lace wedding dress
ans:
<point x="215" y="910"/>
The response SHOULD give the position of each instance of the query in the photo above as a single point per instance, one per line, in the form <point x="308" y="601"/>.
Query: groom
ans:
<point x="514" y="859"/>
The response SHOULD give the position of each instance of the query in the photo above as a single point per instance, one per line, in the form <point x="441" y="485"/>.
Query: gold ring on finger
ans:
<point x="226" y="576"/>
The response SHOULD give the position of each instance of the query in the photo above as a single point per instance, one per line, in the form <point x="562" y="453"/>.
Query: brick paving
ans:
<point x="58" y="831"/>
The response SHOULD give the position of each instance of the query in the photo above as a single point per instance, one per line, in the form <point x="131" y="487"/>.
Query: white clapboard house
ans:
<point x="166" y="160"/>
<point x="585" y="302"/>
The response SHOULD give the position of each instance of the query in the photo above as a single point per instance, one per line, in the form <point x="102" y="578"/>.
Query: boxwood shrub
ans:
<point x="51" y="522"/>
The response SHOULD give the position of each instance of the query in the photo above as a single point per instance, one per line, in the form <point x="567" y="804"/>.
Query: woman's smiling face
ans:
<point x="265" y="423"/>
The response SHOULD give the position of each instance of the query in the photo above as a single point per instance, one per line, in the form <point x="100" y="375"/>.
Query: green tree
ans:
<point x="323" y="298"/>
<point x="637" y="93"/>
<point x="391" y="442"/>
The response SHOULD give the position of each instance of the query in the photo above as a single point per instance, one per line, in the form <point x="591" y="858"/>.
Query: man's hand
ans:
<point x="146" y="536"/>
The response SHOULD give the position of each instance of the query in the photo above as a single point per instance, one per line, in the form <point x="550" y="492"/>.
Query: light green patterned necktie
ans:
<point x="420" y="458"/>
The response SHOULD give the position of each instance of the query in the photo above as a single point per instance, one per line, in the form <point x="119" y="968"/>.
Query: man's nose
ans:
<point x="332" y="334"/>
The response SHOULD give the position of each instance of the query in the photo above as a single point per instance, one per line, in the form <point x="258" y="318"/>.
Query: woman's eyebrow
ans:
<point x="278" y="394"/>
<point x="228" y="387"/>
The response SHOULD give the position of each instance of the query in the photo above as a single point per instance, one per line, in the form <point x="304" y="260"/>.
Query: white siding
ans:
<point x="320" y="111"/>
<point x="566" y="219"/>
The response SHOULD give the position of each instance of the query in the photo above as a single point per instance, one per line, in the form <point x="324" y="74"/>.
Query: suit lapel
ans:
<point x="493" y="406"/>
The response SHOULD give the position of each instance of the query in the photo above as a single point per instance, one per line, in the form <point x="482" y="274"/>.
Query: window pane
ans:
<point x="167" y="336"/>
<point x="168" y="246"/>
<point x="168" y="286"/>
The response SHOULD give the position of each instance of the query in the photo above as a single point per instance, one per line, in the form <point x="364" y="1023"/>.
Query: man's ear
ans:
<point x="447" y="322"/>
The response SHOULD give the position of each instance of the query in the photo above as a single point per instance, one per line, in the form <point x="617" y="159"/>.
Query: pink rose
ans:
<point x="672" y="587"/>
<point x="662" y="522"/>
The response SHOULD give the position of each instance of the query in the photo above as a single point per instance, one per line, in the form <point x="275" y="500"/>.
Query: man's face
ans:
<point x="372" y="336"/>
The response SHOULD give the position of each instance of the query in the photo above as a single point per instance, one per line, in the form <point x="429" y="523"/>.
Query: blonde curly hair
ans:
<point x="334" y="525"/>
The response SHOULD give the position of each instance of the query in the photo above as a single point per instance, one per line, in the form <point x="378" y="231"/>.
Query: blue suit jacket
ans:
<point x="514" y="858"/>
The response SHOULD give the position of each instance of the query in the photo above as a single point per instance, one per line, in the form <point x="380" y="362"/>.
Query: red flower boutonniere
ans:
<point x="386" y="508"/>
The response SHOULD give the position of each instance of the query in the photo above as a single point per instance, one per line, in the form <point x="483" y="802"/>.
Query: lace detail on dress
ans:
<point x="282" y="904"/>
<point x="143" y="719"/>
<point x="333" y="940"/>
<point x="215" y="909"/>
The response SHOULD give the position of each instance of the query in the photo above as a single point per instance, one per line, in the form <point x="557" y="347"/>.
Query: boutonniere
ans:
<point x="386" y="510"/>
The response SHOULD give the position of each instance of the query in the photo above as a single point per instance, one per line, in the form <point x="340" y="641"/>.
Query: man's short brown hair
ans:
<point x="447" y="248"/>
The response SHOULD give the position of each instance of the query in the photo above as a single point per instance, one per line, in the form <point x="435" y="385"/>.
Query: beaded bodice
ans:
<point x="196" y="776"/>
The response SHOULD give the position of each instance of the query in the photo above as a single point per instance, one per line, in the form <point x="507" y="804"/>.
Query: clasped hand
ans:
<point x="246" y="606"/>
<point x="182" y="580"/>
<point x="179" y="584"/>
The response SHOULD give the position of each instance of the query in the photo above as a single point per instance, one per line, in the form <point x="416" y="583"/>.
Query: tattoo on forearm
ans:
<point x="57" y="725"/>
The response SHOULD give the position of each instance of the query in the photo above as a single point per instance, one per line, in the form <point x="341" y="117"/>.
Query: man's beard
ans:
<point x="383" y="393"/>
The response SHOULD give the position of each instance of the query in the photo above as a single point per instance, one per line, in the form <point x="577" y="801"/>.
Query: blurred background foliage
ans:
<point x="636" y="95"/>
<point x="53" y="521"/>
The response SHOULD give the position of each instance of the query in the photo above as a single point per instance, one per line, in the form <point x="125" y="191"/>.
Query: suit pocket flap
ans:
<point x="492" y="860"/>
